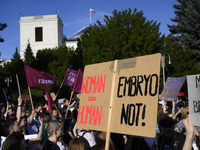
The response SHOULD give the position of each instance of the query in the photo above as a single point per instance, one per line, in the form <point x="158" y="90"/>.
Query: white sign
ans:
<point x="193" y="82"/>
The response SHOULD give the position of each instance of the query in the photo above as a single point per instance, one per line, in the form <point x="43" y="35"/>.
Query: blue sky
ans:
<point x="75" y="15"/>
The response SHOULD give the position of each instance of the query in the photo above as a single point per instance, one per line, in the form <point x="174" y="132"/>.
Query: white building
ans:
<point x="42" y="32"/>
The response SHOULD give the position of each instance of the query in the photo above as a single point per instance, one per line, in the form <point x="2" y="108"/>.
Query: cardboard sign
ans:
<point x="135" y="101"/>
<point x="52" y="95"/>
<point x="25" y="97"/>
<point x="193" y="83"/>
<point x="172" y="88"/>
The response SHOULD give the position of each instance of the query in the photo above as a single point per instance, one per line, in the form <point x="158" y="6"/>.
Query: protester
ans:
<point x="22" y="124"/>
<point x="68" y="127"/>
<point x="78" y="144"/>
<point x="15" y="132"/>
<point x="54" y="114"/>
<point x="55" y="131"/>
<point x="33" y="124"/>
<point x="170" y="139"/>
<point x="47" y="119"/>
<point x="88" y="136"/>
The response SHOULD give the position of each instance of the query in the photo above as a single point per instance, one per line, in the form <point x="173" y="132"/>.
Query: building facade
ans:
<point x="42" y="32"/>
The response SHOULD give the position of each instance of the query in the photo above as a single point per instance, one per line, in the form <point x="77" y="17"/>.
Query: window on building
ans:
<point x="38" y="34"/>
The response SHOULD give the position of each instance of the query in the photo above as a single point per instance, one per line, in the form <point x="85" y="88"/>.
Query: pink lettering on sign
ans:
<point x="94" y="113"/>
<point x="93" y="84"/>
<point x="92" y="98"/>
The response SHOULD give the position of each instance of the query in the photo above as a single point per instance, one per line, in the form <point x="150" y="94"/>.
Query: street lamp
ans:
<point x="163" y="65"/>
<point x="8" y="80"/>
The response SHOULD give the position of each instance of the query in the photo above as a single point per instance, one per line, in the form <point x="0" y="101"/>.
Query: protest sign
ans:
<point x="25" y="97"/>
<point x="172" y="88"/>
<point x="52" y="95"/>
<point x="193" y="83"/>
<point x="135" y="100"/>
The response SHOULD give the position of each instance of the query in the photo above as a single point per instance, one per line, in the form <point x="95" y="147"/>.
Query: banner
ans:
<point x="78" y="83"/>
<point x="135" y="85"/>
<point x="193" y="84"/>
<point x="70" y="77"/>
<point x="36" y="78"/>
<point x="49" y="99"/>
<point x="172" y="88"/>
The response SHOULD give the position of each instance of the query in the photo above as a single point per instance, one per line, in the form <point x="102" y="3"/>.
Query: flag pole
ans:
<point x="69" y="102"/>
<point x="59" y="90"/>
<point x="5" y="95"/>
<point x="90" y="18"/>
<point x="30" y="98"/>
<point x="18" y="85"/>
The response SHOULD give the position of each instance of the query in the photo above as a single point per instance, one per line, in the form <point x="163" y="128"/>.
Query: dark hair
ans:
<point x="180" y="104"/>
<point x="74" y="114"/>
<point x="12" y="108"/>
<point x="46" y="117"/>
<point x="8" y="124"/>
<point x="13" y="141"/>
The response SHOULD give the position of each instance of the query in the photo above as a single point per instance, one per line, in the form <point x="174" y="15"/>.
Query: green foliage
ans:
<point x="186" y="30"/>
<point x="125" y="34"/>
<point x="2" y="26"/>
<point x="16" y="55"/>
<point x="182" y="64"/>
<point x="28" y="55"/>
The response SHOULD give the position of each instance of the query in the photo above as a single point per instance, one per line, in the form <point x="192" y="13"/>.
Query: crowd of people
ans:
<point x="57" y="130"/>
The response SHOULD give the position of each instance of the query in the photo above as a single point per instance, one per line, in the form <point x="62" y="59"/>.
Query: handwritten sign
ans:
<point x="52" y="95"/>
<point x="135" y="96"/>
<point x="25" y="97"/>
<point x="193" y="82"/>
<point x="172" y="88"/>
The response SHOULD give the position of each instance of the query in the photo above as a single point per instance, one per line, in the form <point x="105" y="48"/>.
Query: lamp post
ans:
<point x="163" y="65"/>
<point x="8" y="80"/>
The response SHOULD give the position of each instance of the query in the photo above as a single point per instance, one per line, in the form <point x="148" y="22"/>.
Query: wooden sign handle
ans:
<point x="111" y="105"/>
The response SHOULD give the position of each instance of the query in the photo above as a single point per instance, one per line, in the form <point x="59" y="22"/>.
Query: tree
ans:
<point x="125" y="34"/>
<point x="186" y="30"/>
<point x="182" y="64"/>
<point x="16" y="55"/>
<point x="28" y="55"/>
<point x="2" y="26"/>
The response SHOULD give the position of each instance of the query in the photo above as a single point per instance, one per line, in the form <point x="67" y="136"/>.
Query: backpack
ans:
<point x="82" y="136"/>
<point x="45" y="143"/>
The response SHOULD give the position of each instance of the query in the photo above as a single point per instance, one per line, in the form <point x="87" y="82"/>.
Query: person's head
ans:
<point x="12" y="125"/>
<point x="54" y="113"/>
<point x="11" y="111"/>
<point x="78" y="144"/>
<point x="180" y="104"/>
<point x="23" y="112"/>
<point x="46" y="118"/>
<point x="55" y="128"/>
<point x="168" y="125"/>
<point x="15" y="141"/>
<point x="66" y="102"/>
<point x="2" y="109"/>
<point x="22" y="122"/>
<point x="38" y="107"/>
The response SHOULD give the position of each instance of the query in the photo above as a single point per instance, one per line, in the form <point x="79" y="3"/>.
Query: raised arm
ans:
<point x="19" y="108"/>
<point x="30" y="120"/>
<point x="39" y="137"/>
<point x="189" y="133"/>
